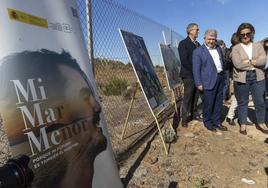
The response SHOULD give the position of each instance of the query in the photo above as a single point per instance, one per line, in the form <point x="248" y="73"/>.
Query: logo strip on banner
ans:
<point x="27" y="18"/>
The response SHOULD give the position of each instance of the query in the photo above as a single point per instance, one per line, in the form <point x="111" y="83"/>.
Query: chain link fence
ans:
<point x="114" y="74"/>
<point x="5" y="153"/>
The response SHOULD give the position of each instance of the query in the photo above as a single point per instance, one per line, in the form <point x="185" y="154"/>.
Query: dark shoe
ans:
<point x="262" y="127"/>
<point x="198" y="118"/>
<point x="249" y="123"/>
<point x="221" y="127"/>
<point x="230" y="121"/>
<point x="211" y="128"/>
<point x="185" y="125"/>
<point x="244" y="132"/>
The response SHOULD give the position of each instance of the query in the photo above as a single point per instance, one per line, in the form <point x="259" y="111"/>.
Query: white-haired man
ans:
<point x="208" y="73"/>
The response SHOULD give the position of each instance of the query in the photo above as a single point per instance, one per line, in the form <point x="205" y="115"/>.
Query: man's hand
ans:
<point x="200" y="88"/>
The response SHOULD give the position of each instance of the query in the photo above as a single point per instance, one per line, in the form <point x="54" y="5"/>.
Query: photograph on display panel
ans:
<point x="172" y="65"/>
<point x="48" y="101"/>
<point x="144" y="70"/>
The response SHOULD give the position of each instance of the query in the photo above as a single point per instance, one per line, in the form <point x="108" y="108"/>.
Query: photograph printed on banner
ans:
<point x="49" y="106"/>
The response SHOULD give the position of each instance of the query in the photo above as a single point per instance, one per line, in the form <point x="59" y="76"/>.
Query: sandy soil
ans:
<point x="200" y="158"/>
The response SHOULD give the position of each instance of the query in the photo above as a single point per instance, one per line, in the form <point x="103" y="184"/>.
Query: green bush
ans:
<point x="115" y="86"/>
<point x="201" y="183"/>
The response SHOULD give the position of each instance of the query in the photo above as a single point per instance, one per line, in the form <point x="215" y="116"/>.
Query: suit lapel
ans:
<point x="192" y="44"/>
<point x="207" y="54"/>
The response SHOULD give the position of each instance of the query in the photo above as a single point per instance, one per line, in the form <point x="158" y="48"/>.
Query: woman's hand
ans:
<point x="250" y="62"/>
<point x="247" y="61"/>
<point x="253" y="62"/>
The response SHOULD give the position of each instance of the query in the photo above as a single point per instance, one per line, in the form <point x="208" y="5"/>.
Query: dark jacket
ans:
<point x="186" y="48"/>
<point x="227" y="59"/>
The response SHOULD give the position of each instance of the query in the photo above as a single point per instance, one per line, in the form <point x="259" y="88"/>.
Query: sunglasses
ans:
<point x="245" y="34"/>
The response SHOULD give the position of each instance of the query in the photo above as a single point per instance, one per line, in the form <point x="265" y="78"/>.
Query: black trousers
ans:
<point x="190" y="107"/>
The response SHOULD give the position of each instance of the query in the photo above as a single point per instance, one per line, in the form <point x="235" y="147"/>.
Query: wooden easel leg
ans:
<point x="129" y="111"/>
<point x="181" y="89"/>
<point x="174" y="101"/>
<point x="161" y="136"/>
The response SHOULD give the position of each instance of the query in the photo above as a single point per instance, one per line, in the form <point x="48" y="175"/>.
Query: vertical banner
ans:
<point x="48" y="100"/>
<point x="144" y="70"/>
<point x="172" y="64"/>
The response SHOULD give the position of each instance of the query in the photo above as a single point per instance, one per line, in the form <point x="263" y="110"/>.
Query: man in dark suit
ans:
<point x="208" y="62"/>
<point x="186" y="48"/>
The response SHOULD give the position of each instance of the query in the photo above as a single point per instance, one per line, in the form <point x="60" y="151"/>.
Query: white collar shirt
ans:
<point x="216" y="58"/>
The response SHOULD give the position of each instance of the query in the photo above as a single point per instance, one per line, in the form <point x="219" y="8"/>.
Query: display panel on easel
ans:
<point x="144" y="71"/>
<point x="172" y="65"/>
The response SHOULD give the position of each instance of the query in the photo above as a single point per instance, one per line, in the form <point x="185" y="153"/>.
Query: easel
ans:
<point x="176" y="92"/>
<point x="174" y="101"/>
<point x="129" y="110"/>
<point x="154" y="115"/>
<point x="175" y="89"/>
<point x="157" y="108"/>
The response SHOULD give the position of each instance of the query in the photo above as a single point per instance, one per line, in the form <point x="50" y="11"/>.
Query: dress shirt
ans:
<point x="216" y="58"/>
<point x="195" y="42"/>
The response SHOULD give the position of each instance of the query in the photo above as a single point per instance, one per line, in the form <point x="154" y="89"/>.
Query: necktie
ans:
<point x="196" y="43"/>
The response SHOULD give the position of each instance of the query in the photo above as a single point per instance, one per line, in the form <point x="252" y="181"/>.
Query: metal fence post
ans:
<point x="89" y="34"/>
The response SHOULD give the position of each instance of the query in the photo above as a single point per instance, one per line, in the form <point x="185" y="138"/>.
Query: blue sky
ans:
<point x="222" y="15"/>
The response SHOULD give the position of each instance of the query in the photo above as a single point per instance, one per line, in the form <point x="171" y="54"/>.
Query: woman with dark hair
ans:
<point x="233" y="106"/>
<point x="249" y="59"/>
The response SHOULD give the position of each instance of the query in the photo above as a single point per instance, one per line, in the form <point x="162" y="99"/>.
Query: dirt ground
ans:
<point x="199" y="158"/>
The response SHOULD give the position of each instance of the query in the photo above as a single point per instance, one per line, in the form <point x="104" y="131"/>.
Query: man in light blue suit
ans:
<point x="209" y="78"/>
